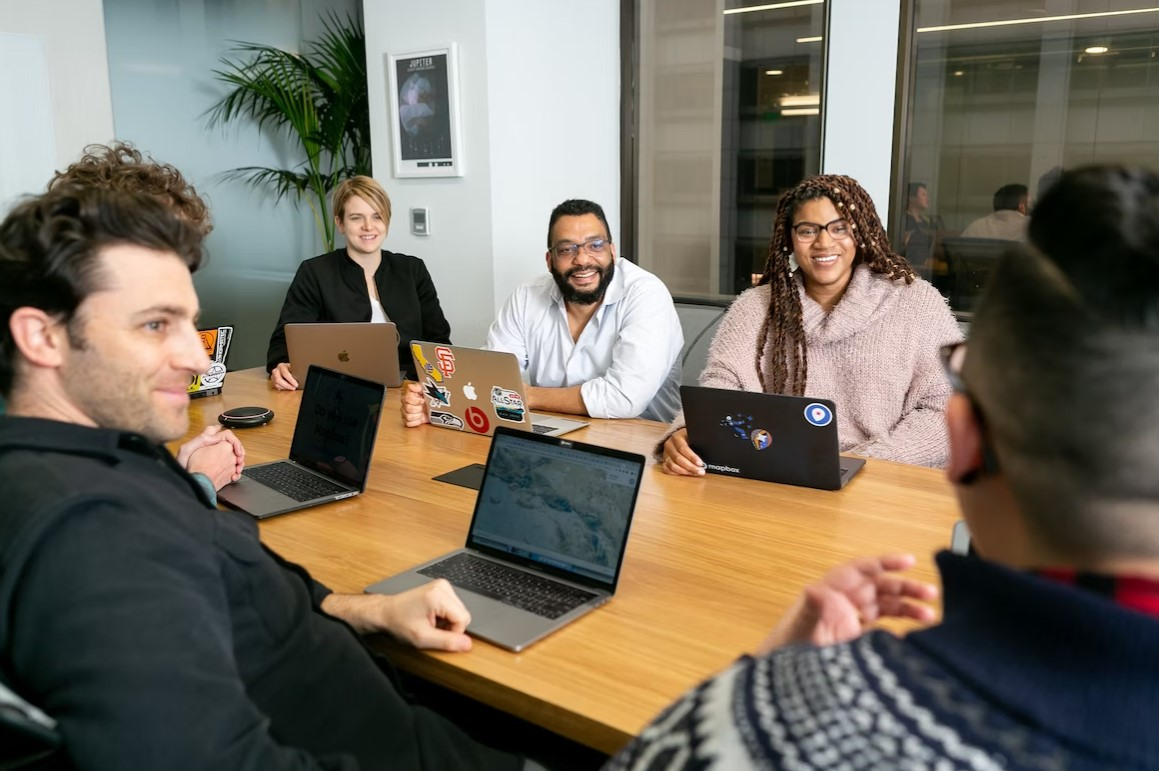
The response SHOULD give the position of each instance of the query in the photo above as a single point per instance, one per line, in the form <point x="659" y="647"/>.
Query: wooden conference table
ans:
<point x="711" y="564"/>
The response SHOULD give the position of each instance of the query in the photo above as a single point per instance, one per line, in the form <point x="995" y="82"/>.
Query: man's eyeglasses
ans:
<point x="953" y="358"/>
<point x="807" y="232"/>
<point x="568" y="251"/>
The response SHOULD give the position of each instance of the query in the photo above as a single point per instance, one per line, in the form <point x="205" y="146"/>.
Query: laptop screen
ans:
<point x="337" y="423"/>
<point x="559" y="505"/>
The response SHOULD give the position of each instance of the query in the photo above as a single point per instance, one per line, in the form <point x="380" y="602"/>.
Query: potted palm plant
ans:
<point x="317" y="98"/>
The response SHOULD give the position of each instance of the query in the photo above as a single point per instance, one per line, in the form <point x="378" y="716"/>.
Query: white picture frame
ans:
<point x="424" y="106"/>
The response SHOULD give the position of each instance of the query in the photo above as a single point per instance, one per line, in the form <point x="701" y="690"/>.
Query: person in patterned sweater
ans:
<point x="1045" y="655"/>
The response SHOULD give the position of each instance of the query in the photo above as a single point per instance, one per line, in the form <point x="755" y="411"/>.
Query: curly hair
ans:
<point x="121" y="167"/>
<point x="785" y="321"/>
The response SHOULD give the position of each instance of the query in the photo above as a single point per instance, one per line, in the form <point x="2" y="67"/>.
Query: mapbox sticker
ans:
<point x="446" y="419"/>
<point x="818" y="414"/>
<point x="507" y="403"/>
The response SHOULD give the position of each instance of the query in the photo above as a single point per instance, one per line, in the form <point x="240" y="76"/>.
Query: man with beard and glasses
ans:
<point x="598" y="336"/>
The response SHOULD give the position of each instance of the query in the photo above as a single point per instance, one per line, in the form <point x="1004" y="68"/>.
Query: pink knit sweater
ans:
<point x="875" y="354"/>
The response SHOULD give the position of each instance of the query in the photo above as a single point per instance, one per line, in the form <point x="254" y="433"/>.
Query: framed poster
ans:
<point x="424" y="101"/>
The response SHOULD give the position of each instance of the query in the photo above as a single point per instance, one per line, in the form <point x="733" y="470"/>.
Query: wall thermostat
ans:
<point x="420" y="222"/>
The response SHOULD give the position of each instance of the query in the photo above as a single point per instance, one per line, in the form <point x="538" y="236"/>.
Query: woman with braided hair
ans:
<point x="836" y="315"/>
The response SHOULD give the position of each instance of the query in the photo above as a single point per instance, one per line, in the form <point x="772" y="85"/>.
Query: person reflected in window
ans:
<point x="851" y="322"/>
<point x="919" y="236"/>
<point x="361" y="282"/>
<point x="1008" y="220"/>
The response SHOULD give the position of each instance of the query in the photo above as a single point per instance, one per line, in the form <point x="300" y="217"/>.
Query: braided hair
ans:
<point x="784" y="322"/>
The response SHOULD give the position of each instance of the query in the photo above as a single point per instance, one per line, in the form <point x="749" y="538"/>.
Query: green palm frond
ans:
<point x="317" y="99"/>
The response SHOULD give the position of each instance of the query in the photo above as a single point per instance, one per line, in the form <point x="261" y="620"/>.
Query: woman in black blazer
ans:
<point x="362" y="282"/>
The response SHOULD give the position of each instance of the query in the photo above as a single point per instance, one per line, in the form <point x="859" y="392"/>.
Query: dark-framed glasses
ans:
<point x="568" y="250"/>
<point x="807" y="232"/>
<point x="953" y="359"/>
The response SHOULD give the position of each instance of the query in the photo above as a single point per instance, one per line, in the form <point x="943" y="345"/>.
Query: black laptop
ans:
<point x="774" y="438"/>
<point x="330" y="453"/>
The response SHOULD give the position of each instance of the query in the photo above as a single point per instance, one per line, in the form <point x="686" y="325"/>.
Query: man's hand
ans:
<point x="848" y="599"/>
<point x="679" y="458"/>
<point x="430" y="616"/>
<point x="215" y="452"/>
<point x="282" y="379"/>
<point x="413" y="405"/>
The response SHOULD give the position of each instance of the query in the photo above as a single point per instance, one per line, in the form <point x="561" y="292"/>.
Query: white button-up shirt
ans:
<point x="626" y="358"/>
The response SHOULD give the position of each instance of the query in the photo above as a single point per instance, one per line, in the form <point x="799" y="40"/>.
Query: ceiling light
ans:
<point x="959" y="73"/>
<point x="772" y="6"/>
<point x="774" y="72"/>
<point x="802" y="111"/>
<point x="1096" y="50"/>
<point x="803" y="100"/>
<point x="809" y="39"/>
<point x="1037" y="20"/>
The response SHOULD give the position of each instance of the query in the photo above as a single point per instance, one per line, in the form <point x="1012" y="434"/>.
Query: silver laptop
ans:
<point x="546" y="543"/>
<point x="469" y="389"/>
<point x="369" y="351"/>
<point x="329" y="455"/>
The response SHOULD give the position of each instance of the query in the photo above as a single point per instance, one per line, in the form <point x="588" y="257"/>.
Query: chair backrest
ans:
<point x="698" y="322"/>
<point x="971" y="261"/>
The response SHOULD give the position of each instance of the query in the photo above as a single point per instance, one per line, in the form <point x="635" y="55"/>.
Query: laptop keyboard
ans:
<point x="517" y="588"/>
<point x="539" y="428"/>
<point x="294" y="482"/>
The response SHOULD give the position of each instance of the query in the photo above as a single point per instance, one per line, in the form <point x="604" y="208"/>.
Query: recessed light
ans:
<point x="774" y="72"/>
<point x="959" y="73"/>
<point x="1096" y="50"/>
<point x="772" y="6"/>
<point x="802" y="111"/>
<point x="801" y="100"/>
<point x="816" y="39"/>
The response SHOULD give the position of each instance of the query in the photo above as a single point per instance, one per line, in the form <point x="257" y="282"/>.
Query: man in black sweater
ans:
<point x="156" y="630"/>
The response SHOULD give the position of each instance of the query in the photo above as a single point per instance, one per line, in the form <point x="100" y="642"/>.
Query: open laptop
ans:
<point x="368" y="351"/>
<point x="330" y="452"/>
<point x="470" y="389"/>
<point x="216" y="341"/>
<point x="546" y="543"/>
<point x="775" y="438"/>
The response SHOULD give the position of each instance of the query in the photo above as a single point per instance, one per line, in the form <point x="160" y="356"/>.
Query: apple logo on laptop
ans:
<point x="343" y="356"/>
<point x="469" y="392"/>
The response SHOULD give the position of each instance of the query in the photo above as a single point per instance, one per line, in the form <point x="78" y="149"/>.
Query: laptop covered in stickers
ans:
<point x="771" y="437"/>
<point x="469" y="389"/>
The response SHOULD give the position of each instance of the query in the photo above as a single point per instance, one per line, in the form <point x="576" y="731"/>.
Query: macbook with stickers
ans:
<point x="368" y="351"/>
<point x="546" y="543"/>
<point x="216" y="342"/>
<point x="329" y="454"/>
<point x="469" y="389"/>
<point x="771" y="437"/>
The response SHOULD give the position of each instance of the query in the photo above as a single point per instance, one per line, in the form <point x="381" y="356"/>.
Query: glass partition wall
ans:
<point x="729" y="103"/>
<point x="1003" y="95"/>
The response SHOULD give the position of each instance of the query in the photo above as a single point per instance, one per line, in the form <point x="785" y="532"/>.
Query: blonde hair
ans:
<point x="366" y="189"/>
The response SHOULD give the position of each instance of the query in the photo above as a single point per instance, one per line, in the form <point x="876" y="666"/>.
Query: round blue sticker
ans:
<point x="818" y="414"/>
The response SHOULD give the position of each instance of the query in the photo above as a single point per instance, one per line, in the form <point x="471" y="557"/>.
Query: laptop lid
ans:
<point x="337" y="425"/>
<point x="771" y="437"/>
<point x="558" y="506"/>
<point x="216" y="341"/>
<point x="475" y="390"/>
<point x="369" y="351"/>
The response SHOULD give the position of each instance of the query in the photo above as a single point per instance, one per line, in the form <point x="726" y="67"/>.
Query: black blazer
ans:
<point x="332" y="288"/>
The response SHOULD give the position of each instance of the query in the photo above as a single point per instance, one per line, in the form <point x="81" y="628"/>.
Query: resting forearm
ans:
<point x="363" y="612"/>
<point x="568" y="400"/>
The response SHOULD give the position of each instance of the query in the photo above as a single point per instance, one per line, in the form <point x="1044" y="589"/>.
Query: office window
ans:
<point x="1003" y="95"/>
<point x="728" y="116"/>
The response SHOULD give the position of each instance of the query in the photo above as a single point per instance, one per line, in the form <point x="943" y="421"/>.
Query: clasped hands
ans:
<point x="217" y="453"/>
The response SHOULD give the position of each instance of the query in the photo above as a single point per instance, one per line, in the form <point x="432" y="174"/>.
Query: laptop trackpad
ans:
<point x="470" y="477"/>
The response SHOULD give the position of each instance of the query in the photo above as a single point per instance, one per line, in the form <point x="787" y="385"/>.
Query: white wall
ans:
<point x="60" y="46"/>
<point x="73" y="32"/>
<point x="859" y="94"/>
<point x="539" y="88"/>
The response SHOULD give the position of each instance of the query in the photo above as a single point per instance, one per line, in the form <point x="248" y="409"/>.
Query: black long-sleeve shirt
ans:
<point x="332" y="287"/>
<point x="160" y="633"/>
